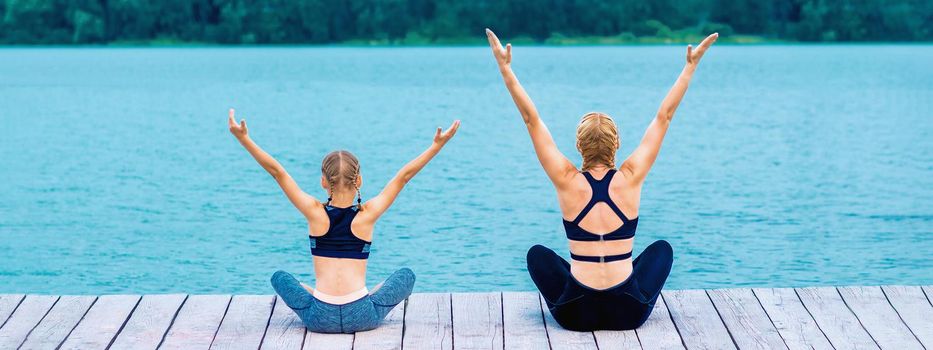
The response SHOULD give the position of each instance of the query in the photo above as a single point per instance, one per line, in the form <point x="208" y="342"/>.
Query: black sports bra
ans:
<point x="339" y="241"/>
<point x="576" y="233"/>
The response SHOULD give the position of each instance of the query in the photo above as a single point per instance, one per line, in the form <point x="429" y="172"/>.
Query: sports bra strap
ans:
<point x="617" y="210"/>
<point x="586" y="210"/>
<point x="601" y="259"/>
<point x="600" y="189"/>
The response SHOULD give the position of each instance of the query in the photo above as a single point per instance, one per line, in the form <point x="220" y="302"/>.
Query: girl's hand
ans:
<point x="238" y="130"/>
<point x="693" y="56"/>
<point x="503" y="55"/>
<point x="441" y="137"/>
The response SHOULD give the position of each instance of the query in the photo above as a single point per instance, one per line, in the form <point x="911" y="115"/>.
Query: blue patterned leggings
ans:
<point x="360" y="315"/>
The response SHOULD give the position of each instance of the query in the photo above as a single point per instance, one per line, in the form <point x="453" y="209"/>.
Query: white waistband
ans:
<point x="340" y="299"/>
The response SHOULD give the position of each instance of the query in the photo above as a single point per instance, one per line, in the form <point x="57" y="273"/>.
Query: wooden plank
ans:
<point x="851" y="317"/>
<point x="322" y="341"/>
<point x="8" y="303"/>
<point x="102" y="322"/>
<point x="428" y="322"/>
<point x="697" y="320"/>
<point x="523" y="321"/>
<point x="561" y="338"/>
<point x="387" y="336"/>
<point x="746" y="320"/>
<point x="477" y="320"/>
<point x="790" y="317"/>
<point x="59" y="322"/>
<point x="879" y="318"/>
<point x="30" y="311"/>
<point x="928" y="290"/>
<point x="197" y="322"/>
<point x="658" y="332"/>
<point x="617" y="340"/>
<point x="149" y="323"/>
<point x="285" y="331"/>
<point x="914" y="308"/>
<point x="834" y="318"/>
<point x="245" y="323"/>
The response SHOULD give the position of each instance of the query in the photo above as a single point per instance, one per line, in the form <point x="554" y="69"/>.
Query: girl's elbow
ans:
<point x="275" y="172"/>
<point x="403" y="177"/>
<point x="406" y="178"/>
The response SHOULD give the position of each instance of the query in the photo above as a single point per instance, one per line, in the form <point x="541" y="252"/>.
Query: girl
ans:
<point x="341" y="231"/>
<point x="602" y="287"/>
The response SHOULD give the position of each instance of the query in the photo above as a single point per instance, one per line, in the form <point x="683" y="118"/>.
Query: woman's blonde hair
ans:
<point x="341" y="169"/>
<point x="597" y="140"/>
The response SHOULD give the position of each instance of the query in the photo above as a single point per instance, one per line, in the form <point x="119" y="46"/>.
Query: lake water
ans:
<point x="785" y="165"/>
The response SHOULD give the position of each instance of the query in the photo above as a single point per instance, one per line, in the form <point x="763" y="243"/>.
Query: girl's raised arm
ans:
<point x="558" y="168"/>
<point x="375" y="207"/>
<point x="640" y="161"/>
<point x="304" y="202"/>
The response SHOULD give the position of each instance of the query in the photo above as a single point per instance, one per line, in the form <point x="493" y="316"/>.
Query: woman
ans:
<point x="341" y="231"/>
<point x="601" y="287"/>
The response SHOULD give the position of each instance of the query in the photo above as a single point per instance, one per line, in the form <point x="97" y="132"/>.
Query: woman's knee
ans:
<point x="537" y="252"/>
<point x="661" y="248"/>
<point x="538" y="249"/>
<point x="543" y="259"/>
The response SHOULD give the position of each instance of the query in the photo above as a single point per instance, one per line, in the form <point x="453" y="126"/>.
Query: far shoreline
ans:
<point x="438" y="46"/>
<point x="559" y="41"/>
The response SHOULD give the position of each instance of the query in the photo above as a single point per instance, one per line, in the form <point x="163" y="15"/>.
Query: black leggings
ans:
<point x="581" y="308"/>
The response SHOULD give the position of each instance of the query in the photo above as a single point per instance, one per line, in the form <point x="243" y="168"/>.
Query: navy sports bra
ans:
<point x="339" y="241"/>
<point x="576" y="233"/>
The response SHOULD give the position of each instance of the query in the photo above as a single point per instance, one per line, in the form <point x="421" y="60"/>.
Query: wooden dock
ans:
<point x="888" y="317"/>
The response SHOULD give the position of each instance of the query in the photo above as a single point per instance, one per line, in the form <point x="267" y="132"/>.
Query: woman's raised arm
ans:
<point x="304" y="202"/>
<point x="640" y="161"/>
<point x="375" y="207"/>
<point x="558" y="168"/>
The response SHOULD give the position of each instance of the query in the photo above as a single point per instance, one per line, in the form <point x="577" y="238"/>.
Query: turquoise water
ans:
<point x="785" y="166"/>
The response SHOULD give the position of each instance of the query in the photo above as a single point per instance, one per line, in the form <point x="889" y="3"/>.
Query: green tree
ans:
<point x="334" y="21"/>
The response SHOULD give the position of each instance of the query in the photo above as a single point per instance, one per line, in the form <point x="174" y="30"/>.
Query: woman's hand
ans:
<point x="503" y="55"/>
<point x="694" y="56"/>
<point x="238" y="130"/>
<point x="441" y="137"/>
<point x="642" y="159"/>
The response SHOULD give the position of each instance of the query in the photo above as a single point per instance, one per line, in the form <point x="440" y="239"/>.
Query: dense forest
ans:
<point x="452" y="21"/>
